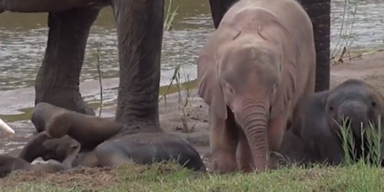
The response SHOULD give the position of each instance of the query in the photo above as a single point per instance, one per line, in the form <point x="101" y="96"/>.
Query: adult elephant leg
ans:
<point x="219" y="8"/>
<point x="319" y="11"/>
<point x="47" y="6"/>
<point x="140" y="33"/>
<point x="57" y="81"/>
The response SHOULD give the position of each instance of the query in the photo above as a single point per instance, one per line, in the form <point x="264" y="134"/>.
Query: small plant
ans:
<point x="100" y="78"/>
<point x="183" y="101"/>
<point x="344" y="41"/>
<point x="169" y="16"/>
<point x="370" y="144"/>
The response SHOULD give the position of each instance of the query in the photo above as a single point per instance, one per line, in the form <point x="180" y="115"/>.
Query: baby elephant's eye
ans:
<point x="230" y="90"/>
<point x="373" y="104"/>
<point x="330" y="108"/>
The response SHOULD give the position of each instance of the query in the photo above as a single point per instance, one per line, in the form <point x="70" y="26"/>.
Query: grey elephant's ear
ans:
<point x="209" y="87"/>
<point x="323" y="97"/>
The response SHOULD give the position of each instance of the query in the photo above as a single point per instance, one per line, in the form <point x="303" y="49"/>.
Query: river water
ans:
<point x="23" y="39"/>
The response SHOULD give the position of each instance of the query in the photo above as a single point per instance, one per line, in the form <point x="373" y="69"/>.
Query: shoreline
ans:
<point x="191" y="121"/>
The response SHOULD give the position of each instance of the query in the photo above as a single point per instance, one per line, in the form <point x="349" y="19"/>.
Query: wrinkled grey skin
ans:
<point x="139" y="43"/>
<point x="105" y="142"/>
<point x="40" y="145"/>
<point x="315" y="137"/>
<point x="65" y="150"/>
<point x="58" y="149"/>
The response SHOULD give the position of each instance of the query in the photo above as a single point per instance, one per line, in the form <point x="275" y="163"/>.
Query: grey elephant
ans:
<point x="76" y="139"/>
<point x="64" y="150"/>
<point x="104" y="142"/>
<point x="316" y="137"/>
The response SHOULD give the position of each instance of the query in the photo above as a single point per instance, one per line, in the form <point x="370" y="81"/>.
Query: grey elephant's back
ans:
<point x="147" y="148"/>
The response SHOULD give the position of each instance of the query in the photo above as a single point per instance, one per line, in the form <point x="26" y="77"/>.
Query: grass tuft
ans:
<point x="370" y="145"/>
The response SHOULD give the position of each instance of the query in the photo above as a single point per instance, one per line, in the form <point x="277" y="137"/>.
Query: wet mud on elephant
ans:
<point x="252" y="72"/>
<point x="139" y="33"/>
<point x="64" y="150"/>
<point x="316" y="136"/>
<point x="109" y="143"/>
<point x="76" y="139"/>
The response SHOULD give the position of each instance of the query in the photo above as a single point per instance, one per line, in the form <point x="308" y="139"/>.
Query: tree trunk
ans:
<point x="319" y="11"/>
<point x="218" y="9"/>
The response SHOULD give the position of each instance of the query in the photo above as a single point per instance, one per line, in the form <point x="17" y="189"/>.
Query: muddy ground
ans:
<point x="369" y="68"/>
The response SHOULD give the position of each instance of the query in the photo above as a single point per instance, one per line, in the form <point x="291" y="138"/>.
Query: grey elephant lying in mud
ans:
<point x="65" y="150"/>
<point x="315" y="138"/>
<point x="111" y="143"/>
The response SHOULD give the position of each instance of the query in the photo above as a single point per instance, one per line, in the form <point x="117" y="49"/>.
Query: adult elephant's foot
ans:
<point x="57" y="81"/>
<point x="147" y="148"/>
<point x="65" y="98"/>
<point x="88" y="130"/>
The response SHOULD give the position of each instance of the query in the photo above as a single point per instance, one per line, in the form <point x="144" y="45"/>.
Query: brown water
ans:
<point x="23" y="39"/>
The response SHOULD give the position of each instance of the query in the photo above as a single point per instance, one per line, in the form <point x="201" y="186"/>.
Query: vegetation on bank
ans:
<point x="366" y="175"/>
<point x="359" y="177"/>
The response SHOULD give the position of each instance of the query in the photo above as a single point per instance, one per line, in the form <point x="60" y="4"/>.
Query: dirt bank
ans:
<point x="369" y="68"/>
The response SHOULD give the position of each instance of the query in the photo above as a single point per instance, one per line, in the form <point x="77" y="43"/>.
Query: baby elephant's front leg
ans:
<point x="276" y="131"/>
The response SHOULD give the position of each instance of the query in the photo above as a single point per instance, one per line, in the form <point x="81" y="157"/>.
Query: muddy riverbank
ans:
<point x="369" y="68"/>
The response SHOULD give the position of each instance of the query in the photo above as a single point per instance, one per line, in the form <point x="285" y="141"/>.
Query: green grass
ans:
<point x="359" y="178"/>
<point x="350" y="176"/>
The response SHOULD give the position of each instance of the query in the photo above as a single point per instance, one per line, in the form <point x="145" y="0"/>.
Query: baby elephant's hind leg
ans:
<point x="109" y="154"/>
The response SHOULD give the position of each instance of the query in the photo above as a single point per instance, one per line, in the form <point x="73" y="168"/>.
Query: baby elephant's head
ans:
<point x="59" y="148"/>
<point x="359" y="106"/>
<point x="353" y="103"/>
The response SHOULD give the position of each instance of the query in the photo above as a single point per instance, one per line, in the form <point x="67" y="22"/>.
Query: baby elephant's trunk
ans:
<point x="355" y="114"/>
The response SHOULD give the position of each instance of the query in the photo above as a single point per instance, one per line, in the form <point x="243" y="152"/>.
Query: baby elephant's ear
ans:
<point x="209" y="87"/>
<point x="210" y="90"/>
